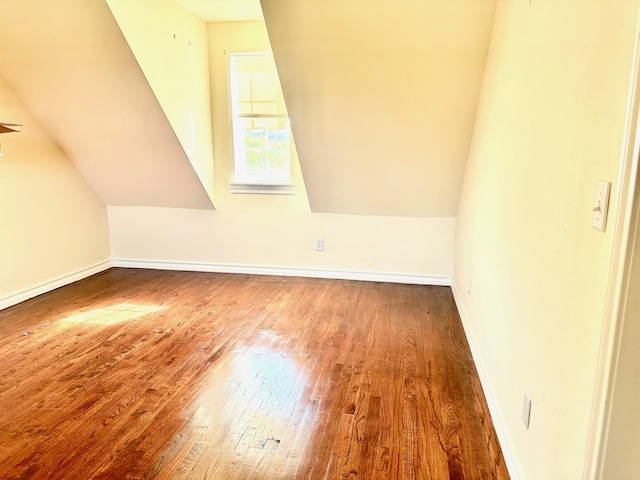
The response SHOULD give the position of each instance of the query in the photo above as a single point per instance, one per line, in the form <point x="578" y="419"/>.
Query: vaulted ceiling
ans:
<point x="71" y="66"/>
<point x="223" y="10"/>
<point x="382" y="97"/>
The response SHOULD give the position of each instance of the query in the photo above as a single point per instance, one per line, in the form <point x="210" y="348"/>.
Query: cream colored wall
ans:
<point x="51" y="223"/>
<point x="247" y="238"/>
<point x="382" y="98"/>
<point x="622" y="454"/>
<point x="550" y="124"/>
<point x="171" y="46"/>
<point x="275" y="230"/>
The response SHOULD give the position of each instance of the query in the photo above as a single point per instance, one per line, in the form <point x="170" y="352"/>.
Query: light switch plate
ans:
<point x="601" y="205"/>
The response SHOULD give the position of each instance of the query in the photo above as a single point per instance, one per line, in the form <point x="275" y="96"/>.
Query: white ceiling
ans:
<point x="224" y="10"/>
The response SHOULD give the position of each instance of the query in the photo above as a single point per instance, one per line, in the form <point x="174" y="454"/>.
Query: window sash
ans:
<point x="260" y="125"/>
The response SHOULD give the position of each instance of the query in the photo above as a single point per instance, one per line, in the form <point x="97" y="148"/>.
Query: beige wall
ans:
<point x="171" y="47"/>
<point x="275" y="230"/>
<point x="72" y="68"/>
<point x="382" y="98"/>
<point x="622" y="454"/>
<point x="285" y="240"/>
<point x="530" y="273"/>
<point x="51" y="223"/>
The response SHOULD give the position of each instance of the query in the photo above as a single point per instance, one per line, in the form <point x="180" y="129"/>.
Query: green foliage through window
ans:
<point x="262" y="137"/>
<point x="267" y="153"/>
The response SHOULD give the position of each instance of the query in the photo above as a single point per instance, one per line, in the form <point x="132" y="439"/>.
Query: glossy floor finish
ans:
<point x="172" y="375"/>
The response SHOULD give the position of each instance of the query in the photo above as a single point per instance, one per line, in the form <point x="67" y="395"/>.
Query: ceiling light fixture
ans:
<point x="7" y="128"/>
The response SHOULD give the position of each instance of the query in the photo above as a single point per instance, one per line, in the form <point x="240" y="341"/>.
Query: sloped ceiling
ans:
<point x="171" y="46"/>
<point x="224" y="10"/>
<point x="70" y="65"/>
<point x="382" y="98"/>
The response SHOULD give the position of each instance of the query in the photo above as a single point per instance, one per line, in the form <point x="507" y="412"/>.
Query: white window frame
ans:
<point x="238" y="183"/>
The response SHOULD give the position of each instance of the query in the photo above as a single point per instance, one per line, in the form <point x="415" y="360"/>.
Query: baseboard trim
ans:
<point x="283" y="271"/>
<point x="496" y="415"/>
<point x="18" y="297"/>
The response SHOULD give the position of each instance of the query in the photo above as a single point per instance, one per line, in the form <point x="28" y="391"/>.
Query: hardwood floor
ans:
<point x="136" y="374"/>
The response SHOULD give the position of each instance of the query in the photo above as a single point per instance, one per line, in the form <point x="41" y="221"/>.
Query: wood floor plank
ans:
<point x="138" y="374"/>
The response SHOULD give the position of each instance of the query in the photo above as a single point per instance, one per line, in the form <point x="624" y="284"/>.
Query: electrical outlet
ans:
<point x="526" y="410"/>
<point x="319" y="244"/>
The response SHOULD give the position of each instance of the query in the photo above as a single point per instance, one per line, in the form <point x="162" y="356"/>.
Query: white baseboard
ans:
<point x="283" y="271"/>
<point x="496" y="415"/>
<point x="21" y="296"/>
<point x="15" y="298"/>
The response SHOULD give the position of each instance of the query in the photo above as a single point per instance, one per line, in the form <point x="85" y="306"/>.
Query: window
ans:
<point x="261" y="131"/>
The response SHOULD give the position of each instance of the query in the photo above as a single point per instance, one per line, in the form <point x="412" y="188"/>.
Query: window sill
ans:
<point x="263" y="188"/>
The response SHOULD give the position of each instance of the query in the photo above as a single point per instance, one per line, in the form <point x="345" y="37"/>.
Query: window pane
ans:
<point x="244" y="87"/>
<point x="264" y="87"/>
<point x="244" y="108"/>
<point x="265" y="107"/>
<point x="262" y="136"/>
<point x="265" y="154"/>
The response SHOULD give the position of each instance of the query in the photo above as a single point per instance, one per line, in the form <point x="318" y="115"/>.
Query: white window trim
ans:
<point x="239" y="186"/>
<point x="263" y="188"/>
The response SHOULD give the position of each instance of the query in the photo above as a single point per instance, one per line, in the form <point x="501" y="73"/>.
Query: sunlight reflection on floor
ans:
<point x="113" y="314"/>
<point x="243" y="422"/>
